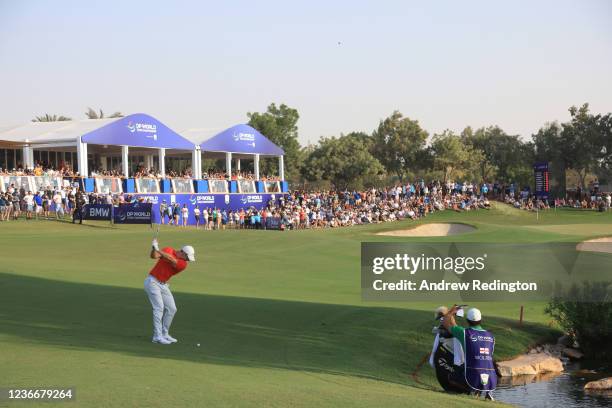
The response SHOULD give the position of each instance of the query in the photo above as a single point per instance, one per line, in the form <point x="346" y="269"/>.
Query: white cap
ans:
<point x="190" y="252"/>
<point x="474" y="315"/>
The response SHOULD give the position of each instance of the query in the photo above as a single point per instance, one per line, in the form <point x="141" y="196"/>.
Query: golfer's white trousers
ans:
<point x="163" y="305"/>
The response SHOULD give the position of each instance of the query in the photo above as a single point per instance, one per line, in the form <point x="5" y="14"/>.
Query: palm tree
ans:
<point x="92" y="114"/>
<point x="51" y="118"/>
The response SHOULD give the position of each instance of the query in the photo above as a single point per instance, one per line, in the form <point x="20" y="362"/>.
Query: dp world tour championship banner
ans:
<point x="227" y="202"/>
<point x="133" y="213"/>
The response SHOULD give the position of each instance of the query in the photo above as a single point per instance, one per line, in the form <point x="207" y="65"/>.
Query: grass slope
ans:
<point x="279" y="315"/>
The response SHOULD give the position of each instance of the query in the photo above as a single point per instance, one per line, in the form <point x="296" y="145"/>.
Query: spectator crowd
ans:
<point x="297" y="210"/>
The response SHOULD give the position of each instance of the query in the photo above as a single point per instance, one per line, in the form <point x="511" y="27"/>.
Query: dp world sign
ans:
<point x="149" y="130"/>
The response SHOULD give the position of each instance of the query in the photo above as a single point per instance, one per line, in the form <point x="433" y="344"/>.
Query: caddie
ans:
<point x="478" y="372"/>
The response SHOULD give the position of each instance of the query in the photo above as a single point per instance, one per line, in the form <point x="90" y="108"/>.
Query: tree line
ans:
<point x="400" y="150"/>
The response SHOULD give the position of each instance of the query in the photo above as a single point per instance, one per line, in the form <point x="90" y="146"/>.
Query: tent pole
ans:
<point x="281" y="167"/>
<point x="28" y="157"/>
<point x="124" y="161"/>
<point x="228" y="164"/>
<point x="81" y="157"/>
<point x="196" y="163"/>
<point x="256" y="166"/>
<point x="85" y="162"/>
<point x="199" y="162"/>
<point x="162" y="162"/>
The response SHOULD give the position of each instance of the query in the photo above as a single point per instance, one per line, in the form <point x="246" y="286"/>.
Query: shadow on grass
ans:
<point x="371" y="342"/>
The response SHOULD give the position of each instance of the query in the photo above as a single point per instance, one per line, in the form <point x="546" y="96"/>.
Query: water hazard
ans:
<point x="564" y="390"/>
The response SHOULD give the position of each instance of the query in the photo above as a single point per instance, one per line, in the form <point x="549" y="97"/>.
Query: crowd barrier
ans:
<point x="117" y="185"/>
<point x="149" y="209"/>
<point x="208" y="201"/>
<point x="142" y="213"/>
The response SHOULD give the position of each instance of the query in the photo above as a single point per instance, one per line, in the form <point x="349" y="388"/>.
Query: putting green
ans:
<point x="279" y="315"/>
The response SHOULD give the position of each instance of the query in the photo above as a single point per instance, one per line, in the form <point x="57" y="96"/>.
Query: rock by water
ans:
<point x="530" y="364"/>
<point x="603" y="384"/>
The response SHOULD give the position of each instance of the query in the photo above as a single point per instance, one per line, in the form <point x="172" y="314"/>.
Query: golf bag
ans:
<point x="442" y="359"/>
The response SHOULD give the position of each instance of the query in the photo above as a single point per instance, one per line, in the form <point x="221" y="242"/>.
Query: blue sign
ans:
<point x="133" y="213"/>
<point x="138" y="130"/>
<point x="100" y="212"/>
<point x="227" y="202"/>
<point x="241" y="139"/>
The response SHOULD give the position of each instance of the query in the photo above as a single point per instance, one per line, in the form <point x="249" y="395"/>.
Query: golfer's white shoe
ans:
<point x="161" y="340"/>
<point x="170" y="338"/>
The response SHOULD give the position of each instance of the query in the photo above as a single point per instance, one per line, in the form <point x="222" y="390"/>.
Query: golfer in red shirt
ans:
<point x="170" y="262"/>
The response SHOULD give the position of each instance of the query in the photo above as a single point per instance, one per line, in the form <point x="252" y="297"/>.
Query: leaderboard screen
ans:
<point x="542" y="185"/>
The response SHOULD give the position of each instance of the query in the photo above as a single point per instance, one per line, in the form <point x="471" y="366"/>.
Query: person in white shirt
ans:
<point x="205" y="218"/>
<point x="185" y="213"/>
<point x="59" y="205"/>
<point x="29" y="202"/>
<point x="196" y="213"/>
<point x="63" y="200"/>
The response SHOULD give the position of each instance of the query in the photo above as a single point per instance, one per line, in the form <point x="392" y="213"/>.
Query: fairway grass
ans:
<point x="278" y="315"/>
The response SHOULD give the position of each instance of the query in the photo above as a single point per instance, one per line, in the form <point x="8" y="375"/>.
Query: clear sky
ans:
<point x="199" y="64"/>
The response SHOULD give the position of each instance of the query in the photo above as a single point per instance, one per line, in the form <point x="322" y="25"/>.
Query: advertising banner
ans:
<point x="233" y="202"/>
<point x="99" y="212"/>
<point x="133" y="213"/>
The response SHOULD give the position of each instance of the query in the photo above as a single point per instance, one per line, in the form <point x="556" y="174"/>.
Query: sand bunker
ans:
<point x="430" y="230"/>
<point x="596" y="245"/>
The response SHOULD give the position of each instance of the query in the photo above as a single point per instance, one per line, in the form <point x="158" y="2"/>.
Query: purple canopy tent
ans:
<point x="243" y="140"/>
<point x="140" y="131"/>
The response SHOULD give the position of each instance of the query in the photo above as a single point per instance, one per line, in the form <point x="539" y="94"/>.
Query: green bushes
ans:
<point x="585" y="313"/>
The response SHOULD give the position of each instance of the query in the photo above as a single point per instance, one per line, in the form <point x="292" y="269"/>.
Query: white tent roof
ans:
<point x="69" y="131"/>
<point x="46" y="132"/>
<point x="196" y="135"/>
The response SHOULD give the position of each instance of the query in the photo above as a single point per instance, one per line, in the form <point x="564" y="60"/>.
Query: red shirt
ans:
<point x="163" y="269"/>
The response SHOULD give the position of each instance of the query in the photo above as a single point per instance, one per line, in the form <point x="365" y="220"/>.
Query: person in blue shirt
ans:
<point x="2" y="207"/>
<point x="223" y="219"/>
<point x="257" y="220"/>
<point x="39" y="202"/>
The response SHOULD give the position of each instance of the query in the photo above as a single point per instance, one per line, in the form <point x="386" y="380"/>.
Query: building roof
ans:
<point x="241" y="139"/>
<point x="46" y="132"/>
<point x="139" y="130"/>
